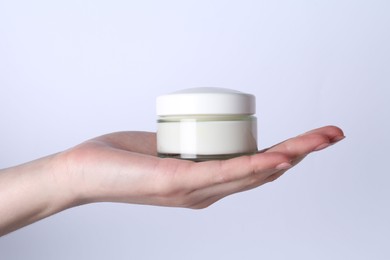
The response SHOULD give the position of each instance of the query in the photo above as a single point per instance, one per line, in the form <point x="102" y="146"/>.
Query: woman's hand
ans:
<point x="123" y="167"/>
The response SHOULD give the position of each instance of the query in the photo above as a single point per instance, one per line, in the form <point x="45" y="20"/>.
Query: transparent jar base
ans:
<point x="202" y="158"/>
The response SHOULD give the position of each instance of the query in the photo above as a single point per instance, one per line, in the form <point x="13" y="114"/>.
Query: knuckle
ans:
<point x="273" y="177"/>
<point x="200" y="206"/>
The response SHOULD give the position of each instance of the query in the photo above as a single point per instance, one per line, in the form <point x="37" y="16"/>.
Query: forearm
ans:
<point x="32" y="191"/>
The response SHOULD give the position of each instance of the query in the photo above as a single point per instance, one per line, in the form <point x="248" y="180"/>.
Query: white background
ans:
<point x="72" y="70"/>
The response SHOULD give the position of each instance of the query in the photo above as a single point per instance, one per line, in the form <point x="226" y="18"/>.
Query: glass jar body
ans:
<point x="206" y="137"/>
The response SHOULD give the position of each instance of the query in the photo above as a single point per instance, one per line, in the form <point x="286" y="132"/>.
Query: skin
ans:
<point x="123" y="167"/>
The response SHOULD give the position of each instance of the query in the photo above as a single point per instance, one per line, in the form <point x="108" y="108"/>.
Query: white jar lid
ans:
<point x="206" y="100"/>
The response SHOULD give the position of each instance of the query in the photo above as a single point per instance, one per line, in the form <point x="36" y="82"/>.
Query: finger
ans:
<point x="211" y="173"/>
<point x="205" y="197"/>
<point x="274" y="176"/>
<point x="295" y="148"/>
<point x="301" y="145"/>
<point x="330" y="134"/>
<point x="334" y="133"/>
<point x="184" y="183"/>
<point x="205" y="202"/>
<point x="314" y="140"/>
<point x="249" y="182"/>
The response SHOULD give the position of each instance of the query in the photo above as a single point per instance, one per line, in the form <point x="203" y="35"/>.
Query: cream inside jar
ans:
<point x="206" y="123"/>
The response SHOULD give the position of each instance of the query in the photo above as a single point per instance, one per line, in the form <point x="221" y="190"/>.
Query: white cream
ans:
<point x="206" y="123"/>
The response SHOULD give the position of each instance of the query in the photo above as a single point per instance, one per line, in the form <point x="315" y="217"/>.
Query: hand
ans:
<point x="123" y="167"/>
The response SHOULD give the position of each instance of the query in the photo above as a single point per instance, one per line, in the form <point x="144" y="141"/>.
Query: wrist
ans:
<point x="32" y="191"/>
<point x="75" y="176"/>
<point x="66" y="180"/>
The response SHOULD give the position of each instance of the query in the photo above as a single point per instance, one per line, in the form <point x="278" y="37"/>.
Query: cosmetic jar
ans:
<point x="202" y="124"/>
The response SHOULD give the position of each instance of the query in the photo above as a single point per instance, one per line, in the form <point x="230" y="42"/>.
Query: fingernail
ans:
<point x="337" y="139"/>
<point x="283" y="166"/>
<point x="321" y="146"/>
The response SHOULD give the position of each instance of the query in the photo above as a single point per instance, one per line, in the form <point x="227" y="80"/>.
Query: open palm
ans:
<point x="123" y="167"/>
